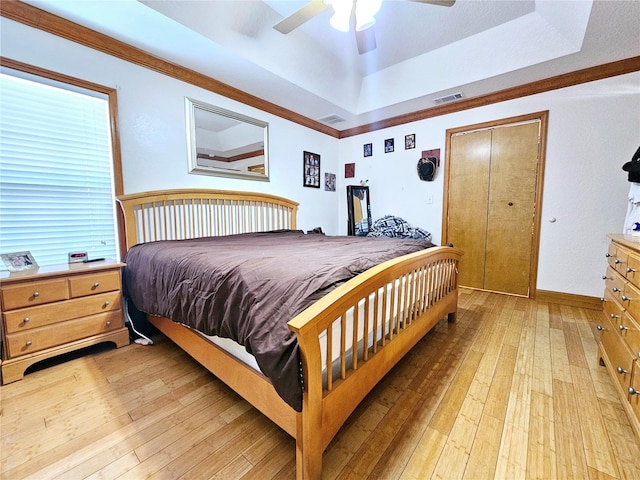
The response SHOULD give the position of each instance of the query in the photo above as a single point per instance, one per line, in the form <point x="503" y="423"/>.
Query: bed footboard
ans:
<point x="389" y="309"/>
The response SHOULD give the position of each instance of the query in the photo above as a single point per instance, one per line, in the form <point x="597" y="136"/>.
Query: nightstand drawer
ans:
<point x="29" y="341"/>
<point x="34" y="293"/>
<point x="34" y="317"/>
<point x="83" y="285"/>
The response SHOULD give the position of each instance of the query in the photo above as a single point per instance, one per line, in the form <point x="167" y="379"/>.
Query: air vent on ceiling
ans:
<point x="449" y="98"/>
<point x="332" y="119"/>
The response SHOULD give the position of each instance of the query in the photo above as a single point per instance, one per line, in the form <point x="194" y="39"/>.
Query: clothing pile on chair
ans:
<point x="391" y="226"/>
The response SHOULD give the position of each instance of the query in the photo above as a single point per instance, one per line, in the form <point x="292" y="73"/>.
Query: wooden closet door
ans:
<point x="468" y="196"/>
<point x="511" y="208"/>
<point x="493" y="178"/>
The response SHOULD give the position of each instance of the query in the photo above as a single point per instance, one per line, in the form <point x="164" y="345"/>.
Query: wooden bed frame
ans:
<point x="425" y="282"/>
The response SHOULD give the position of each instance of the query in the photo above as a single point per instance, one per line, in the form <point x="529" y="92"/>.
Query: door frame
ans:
<point x="543" y="118"/>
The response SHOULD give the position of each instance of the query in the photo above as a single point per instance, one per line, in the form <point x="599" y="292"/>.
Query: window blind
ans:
<point x="56" y="178"/>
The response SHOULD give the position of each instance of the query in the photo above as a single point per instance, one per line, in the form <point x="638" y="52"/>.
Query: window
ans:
<point x="56" y="169"/>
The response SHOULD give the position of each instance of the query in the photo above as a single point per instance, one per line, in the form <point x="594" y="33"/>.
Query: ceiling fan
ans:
<point x="344" y="10"/>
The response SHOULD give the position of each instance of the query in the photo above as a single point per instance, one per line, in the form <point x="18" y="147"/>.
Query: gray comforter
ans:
<point x="247" y="287"/>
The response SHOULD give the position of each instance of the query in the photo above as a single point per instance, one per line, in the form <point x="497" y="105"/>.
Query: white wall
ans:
<point x="593" y="129"/>
<point x="152" y="125"/>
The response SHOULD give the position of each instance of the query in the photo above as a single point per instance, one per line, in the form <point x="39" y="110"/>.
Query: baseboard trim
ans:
<point x="570" y="299"/>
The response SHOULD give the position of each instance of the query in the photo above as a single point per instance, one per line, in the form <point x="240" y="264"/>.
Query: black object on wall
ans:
<point x="633" y="167"/>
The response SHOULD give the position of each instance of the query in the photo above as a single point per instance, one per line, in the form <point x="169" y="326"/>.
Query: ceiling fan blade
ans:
<point x="366" y="40"/>
<point x="442" y="3"/>
<point x="306" y="13"/>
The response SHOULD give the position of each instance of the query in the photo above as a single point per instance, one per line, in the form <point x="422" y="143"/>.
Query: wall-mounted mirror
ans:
<point x="358" y="210"/>
<point x="226" y="143"/>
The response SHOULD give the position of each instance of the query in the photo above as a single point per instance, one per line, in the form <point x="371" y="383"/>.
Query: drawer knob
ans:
<point x="621" y="370"/>
<point x="631" y="270"/>
<point x="28" y="343"/>
<point x="633" y="391"/>
<point x="616" y="261"/>
<point x="96" y="285"/>
<point x="615" y="289"/>
<point x="604" y="277"/>
<point x="36" y="294"/>
<point x="622" y="328"/>
<point x="625" y="298"/>
<point x="600" y="328"/>
<point x="26" y="320"/>
<point x="107" y="303"/>
<point x="613" y="315"/>
<point x="608" y="255"/>
<point x="108" y="323"/>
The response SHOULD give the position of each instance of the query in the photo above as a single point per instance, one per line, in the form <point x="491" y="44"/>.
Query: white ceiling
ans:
<point x="423" y="51"/>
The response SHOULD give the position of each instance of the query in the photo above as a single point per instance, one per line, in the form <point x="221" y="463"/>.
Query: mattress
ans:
<point x="247" y="287"/>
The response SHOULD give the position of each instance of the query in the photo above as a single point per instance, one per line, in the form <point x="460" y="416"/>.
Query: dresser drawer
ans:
<point x="630" y="300"/>
<point x="620" y="358"/>
<point x="29" y="341"/>
<point x="633" y="270"/>
<point x="617" y="258"/>
<point x="630" y="332"/>
<point x="83" y="285"/>
<point x="34" y="317"/>
<point x="612" y="308"/>
<point x="634" y="398"/>
<point x="614" y="283"/>
<point x="34" y="293"/>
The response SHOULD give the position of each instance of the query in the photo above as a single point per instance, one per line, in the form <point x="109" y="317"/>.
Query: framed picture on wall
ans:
<point x="388" y="145"/>
<point x="330" y="182"/>
<point x="349" y="170"/>
<point x="410" y="141"/>
<point x="311" y="170"/>
<point x="368" y="149"/>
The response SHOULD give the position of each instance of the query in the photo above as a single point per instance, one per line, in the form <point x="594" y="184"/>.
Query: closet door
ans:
<point x="510" y="216"/>
<point x="492" y="182"/>
<point x="468" y="200"/>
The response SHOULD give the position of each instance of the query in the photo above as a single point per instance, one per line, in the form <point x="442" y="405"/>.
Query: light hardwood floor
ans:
<point x="512" y="390"/>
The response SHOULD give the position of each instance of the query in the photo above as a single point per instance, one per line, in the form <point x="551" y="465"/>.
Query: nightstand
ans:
<point x="57" y="309"/>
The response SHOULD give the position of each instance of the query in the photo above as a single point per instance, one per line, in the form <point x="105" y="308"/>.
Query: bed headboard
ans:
<point x="192" y="213"/>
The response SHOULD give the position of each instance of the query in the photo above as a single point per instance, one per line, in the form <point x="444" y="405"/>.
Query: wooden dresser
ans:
<point x="58" y="309"/>
<point x="619" y="346"/>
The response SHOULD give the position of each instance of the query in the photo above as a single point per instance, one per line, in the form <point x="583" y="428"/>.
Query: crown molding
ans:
<point x="48" y="22"/>
<point x="591" y="74"/>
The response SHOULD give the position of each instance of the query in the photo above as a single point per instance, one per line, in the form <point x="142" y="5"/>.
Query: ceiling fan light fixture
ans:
<point x="365" y="13"/>
<point x="341" y="18"/>
<point x="362" y="23"/>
